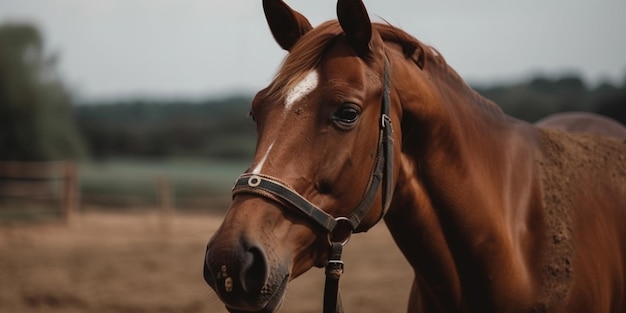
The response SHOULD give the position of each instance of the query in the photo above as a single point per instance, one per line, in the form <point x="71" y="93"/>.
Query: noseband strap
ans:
<point x="278" y="191"/>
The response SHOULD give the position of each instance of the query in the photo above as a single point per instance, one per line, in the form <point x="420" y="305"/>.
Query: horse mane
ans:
<point x="304" y="56"/>
<point x="308" y="51"/>
<point x="414" y="49"/>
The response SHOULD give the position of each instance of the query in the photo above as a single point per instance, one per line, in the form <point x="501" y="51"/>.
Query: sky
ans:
<point x="199" y="48"/>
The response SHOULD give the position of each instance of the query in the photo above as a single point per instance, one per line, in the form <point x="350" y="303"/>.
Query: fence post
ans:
<point x="164" y="194"/>
<point x="70" y="190"/>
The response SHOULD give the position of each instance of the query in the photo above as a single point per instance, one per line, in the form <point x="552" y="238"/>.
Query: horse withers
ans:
<point x="364" y="122"/>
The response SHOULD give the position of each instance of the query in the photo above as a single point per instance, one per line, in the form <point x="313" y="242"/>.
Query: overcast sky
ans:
<point x="114" y="48"/>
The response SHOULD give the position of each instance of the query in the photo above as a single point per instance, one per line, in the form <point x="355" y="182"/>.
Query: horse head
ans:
<point x="323" y="150"/>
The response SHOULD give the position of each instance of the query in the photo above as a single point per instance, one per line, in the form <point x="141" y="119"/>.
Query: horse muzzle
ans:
<point x="243" y="278"/>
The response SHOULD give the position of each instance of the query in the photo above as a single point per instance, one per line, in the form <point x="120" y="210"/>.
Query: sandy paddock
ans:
<point x="143" y="263"/>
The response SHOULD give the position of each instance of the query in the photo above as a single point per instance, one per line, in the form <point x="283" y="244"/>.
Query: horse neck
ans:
<point x="466" y="180"/>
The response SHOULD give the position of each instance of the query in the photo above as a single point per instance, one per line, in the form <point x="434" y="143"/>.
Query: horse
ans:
<point x="584" y="122"/>
<point x="364" y="123"/>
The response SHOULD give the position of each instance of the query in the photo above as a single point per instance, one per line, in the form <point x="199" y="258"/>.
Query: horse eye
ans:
<point x="347" y="115"/>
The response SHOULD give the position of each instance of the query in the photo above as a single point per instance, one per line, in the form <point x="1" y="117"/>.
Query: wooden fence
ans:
<point x="44" y="190"/>
<point x="45" y="182"/>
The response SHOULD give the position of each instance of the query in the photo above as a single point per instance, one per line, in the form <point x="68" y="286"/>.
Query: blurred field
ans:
<point x="123" y="184"/>
<point x="134" y="263"/>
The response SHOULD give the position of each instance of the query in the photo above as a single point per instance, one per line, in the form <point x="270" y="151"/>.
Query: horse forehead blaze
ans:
<point x="302" y="88"/>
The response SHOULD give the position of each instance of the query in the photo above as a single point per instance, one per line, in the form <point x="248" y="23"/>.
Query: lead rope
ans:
<point x="334" y="269"/>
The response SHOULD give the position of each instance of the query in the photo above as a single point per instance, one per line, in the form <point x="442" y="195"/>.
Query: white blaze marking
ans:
<point x="257" y="168"/>
<point x="302" y="89"/>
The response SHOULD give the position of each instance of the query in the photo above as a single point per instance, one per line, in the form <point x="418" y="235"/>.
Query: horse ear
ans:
<point x="355" y="22"/>
<point x="287" y="25"/>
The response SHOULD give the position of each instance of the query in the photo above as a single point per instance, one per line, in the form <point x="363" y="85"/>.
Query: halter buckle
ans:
<point x="384" y="120"/>
<point x="334" y="268"/>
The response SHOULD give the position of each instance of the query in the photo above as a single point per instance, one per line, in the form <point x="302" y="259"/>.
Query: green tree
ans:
<point x="36" y="120"/>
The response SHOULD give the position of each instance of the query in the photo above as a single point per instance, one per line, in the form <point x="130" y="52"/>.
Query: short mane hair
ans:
<point x="308" y="51"/>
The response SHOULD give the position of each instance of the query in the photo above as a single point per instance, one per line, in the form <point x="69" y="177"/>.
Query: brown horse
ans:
<point x="492" y="213"/>
<point x="584" y="122"/>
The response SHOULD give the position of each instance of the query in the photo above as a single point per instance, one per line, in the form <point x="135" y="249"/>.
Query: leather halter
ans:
<point x="278" y="191"/>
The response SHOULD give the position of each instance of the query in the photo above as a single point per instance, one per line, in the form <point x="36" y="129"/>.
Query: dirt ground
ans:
<point x="143" y="263"/>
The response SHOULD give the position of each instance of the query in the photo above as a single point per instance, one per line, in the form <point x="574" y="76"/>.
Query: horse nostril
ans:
<point x="208" y="275"/>
<point x="254" y="270"/>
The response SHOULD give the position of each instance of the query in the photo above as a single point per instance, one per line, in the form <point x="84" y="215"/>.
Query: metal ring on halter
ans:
<point x="347" y="239"/>
<point x="254" y="181"/>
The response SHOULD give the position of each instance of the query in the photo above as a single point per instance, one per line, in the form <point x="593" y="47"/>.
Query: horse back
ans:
<point x="584" y="122"/>
<point x="584" y="196"/>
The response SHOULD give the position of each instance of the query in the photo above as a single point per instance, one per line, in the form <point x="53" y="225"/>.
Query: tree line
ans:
<point x="542" y="96"/>
<point x="162" y="129"/>
<point x="40" y="120"/>
<point x="36" y="120"/>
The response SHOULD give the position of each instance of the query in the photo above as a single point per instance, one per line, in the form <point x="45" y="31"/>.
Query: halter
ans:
<point x="278" y="191"/>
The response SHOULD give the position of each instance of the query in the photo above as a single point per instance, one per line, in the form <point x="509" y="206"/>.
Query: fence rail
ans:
<point x="54" y="181"/>
<point x="40" y="190"/>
